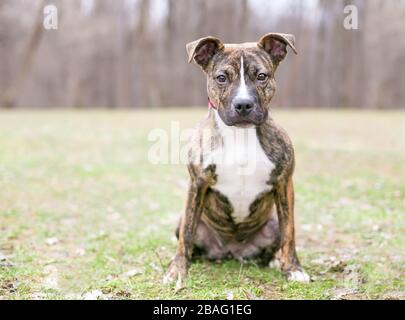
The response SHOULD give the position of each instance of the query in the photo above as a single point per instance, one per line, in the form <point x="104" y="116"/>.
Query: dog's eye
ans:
<point x="221" y="79"/>
<point x="261" y="76"/>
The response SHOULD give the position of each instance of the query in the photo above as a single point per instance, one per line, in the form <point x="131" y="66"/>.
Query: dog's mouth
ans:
<point x="244" y="124"/>
<point x="233" y="120"/>
<point x="247" y="122"/>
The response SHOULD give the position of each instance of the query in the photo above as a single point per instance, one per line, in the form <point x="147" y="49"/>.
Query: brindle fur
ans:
<point x="207" y="223"/>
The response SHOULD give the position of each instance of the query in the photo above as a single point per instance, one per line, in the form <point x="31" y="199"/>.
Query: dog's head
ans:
<point x="240" y="77"/>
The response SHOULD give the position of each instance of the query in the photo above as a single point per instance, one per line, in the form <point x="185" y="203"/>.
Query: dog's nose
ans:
<point x="243" y="106"/>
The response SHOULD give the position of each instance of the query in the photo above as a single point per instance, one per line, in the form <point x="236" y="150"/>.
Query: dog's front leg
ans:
<point x="290" y="264"/>
<point x="179" y="265"/>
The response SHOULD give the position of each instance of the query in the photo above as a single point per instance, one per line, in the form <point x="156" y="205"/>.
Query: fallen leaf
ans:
<point x="51" y="241"/>
<point x="133" y="272"/>
<point x="38" y="296"/>
<point x="341" y="293"/>
<point x="51" y="279"/>
<point x="332" y="264"/>
<point x="9" y="287"/>
<point x="93" y="295"/>
<point x="249" y="295"/>
<point x="229" y="295"/>
<point x="353" y="275"/>
<point x="109" y="278"/>
<point x="80" y="252"/>
<point x="394" y="295"/>
<point x="4" y="262"/>
<point x="337" y="266"/>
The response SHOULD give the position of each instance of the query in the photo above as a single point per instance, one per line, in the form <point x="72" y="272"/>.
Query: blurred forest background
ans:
<point x="131" y="53"/>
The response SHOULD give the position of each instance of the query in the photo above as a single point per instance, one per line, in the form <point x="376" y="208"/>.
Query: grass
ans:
<point x="84" y="214"/>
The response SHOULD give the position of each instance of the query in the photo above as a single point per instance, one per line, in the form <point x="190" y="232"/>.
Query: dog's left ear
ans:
<point x="202" y="50"/>
<point x="275" y="44"/>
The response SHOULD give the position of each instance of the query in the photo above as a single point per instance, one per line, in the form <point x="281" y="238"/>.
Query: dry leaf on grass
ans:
<point x="331" y="264"/>
<point x="131" y="273"/>
<point x="394" y="295"/>
<point x="341" y="293"/>
<point x="8" y="287"/>
<point x="93" y="295"/>
<point x="51" y="279"/>
<point x="4" y="262"/>
<point x="80" y="252"/>
<point x="353" y="275"/>
<point x="229" y="295"/>
<point x="126" y="275"/>
<point x="52" y="241"/>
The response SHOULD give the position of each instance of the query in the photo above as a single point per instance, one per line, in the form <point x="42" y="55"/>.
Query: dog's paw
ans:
<point x="298" y="275"/>
<point x="176" y="273"/>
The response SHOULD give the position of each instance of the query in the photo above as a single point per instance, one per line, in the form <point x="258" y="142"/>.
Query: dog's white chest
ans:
<point x="242" y="170"/>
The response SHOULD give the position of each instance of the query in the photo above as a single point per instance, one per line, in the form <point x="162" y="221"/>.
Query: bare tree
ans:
<point x="10" y="95"/>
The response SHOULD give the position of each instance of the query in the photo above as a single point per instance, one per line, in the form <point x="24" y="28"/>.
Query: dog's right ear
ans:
<point x="202" y="50"/>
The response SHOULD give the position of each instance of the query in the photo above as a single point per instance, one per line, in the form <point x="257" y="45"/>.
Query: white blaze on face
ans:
<point x="242" y="91"/>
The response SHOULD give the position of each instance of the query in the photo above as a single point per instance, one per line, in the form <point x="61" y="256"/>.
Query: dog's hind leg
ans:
<point x="271" y="237"/>
<point x="206" y="243"/>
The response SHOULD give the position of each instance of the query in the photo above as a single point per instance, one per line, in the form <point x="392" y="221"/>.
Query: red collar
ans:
<point x="210" y="104"/>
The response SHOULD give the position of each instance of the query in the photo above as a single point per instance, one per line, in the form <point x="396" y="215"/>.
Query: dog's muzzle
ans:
<point x="244" y="112"/>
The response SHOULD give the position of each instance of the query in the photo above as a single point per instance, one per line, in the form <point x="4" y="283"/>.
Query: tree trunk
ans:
<point x="10" y="95"/>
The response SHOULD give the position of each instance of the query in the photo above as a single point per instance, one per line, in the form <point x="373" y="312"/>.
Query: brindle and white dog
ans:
<point x="240" y="199"/>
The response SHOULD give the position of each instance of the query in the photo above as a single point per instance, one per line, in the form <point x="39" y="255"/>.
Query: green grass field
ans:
<point x="83" y="214"/>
